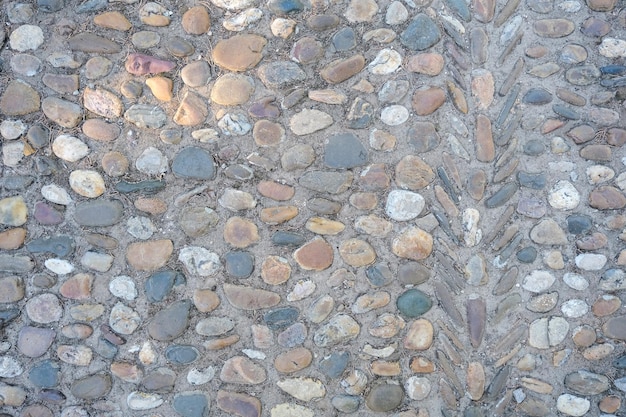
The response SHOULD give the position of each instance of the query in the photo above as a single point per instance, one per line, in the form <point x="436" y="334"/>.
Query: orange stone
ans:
<point x="221" y="343"/>
<point x="293" y="360"/>
<point x="316" y="255"/>
<point x="413" y="243"/>
<point x="149" y="256"/>
<point x="161" y="87"/>
<point x="239" y="53"/>
<point x="205" y="300"/>
<point x="240" y="232"/>
<point x="341" y="70"/>
<point x="77" y="287"/>
<point x="266" y="133"/>
<point x="384" y="368"/>
<point x="422" y="365"/>
<point x="112" y="20"/>
<point x="485" y="147"/>
<point x="275" y="270"/>
<point x="357" y="252"/>
<point x="428" y="100"/>
<point x="278" y="215"/>
<point x="196" y="20"/>
<point x="12" y="238"/>
<point x="426" y="63"/>
<point x="151" y="205"/>
<point x="276" y="191"/>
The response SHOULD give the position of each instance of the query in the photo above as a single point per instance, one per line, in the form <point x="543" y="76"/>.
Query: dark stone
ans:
<point x="333" y="365"/>
<point x="282" y="7"/>
<point x="534" y="147"/>
<point x="45" y="374"/>
<point x="110" y="336"/>
<point x="385" y="397"/>
<point x="239" y="172"/>
<point x="159" y="285"/>
<point x="52" y="395"/>
<point x="501" y="196"/>
<point x="46" y="214"/>
<point x="594" y="27"/>
<point x="179" y="47"/>
<point x="537" y="96"/>
<point x="17" y="182"/>
<point x="91" y="387"/>
<point x="194" y="163"/>
<point x="44" y="165"/>
<point x="191" y="404"/>
<point x="565" y="112"/>
<point x="527" y="255"/>
<point x="323" y="206"/>
<point x="106" y="349"/>
<point x="98" y="213"/>
<point x="281" y="74"/>
<point x="288" y="239"/>
<point x="393" y="91"/>
<point x="50" y="6"/>
<point x="159" y="380"/>
<point x="91" y="6"/>
<point x="239" y="264"/>
<point x="38" y="136"/>
<point x="423" y="137"/>
<point x="144" y="187"/>
<point x="321" y="22"/>
<point x="413" y="303"/>
<point x="579" y="224"/>
<point x="61" y="246"/>
<point x="379" y="275"/>
<point x="281" y="318"/>
<point x="171" y="322"/>
<point x="620" y="362"/>
<point x="421" y="33"/>
<point x="181" y="354"/>
<point x="344" y="39"/>
<point x="534" y="181"/>
<point x="360" y="114"/>
<point x="344" y="151"/>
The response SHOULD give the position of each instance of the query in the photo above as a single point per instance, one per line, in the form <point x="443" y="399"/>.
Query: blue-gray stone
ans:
<point x="50" y="6"/>
<point x="38" y="136"/>
<point x="537" y="96"/>
<point x="281" y="74"/>
<point x="288" y="239"/>
<point x="527" y="255"/>
<point x="194" y="163"/>
<point x="534" y="147"/>
<point x="91" y="6"/>
<point x="579" y="223"/>
<point x="413" y="303"/>
<point x="45" y="374"/>
<point x="346" y="403"/>
<point x="239" y="264"/>
<point x="344" y="151"/>
<point x="423" y="137"/>
<point x="534" y="181"/>
<point x="181" y="354"/>
<point x="106" y="349"/>
<point x="292" y="336"/>
<point x="51" y="395"/>
<point x="379" y="275"/>
<point x="8" y="315"/>
<point x="473" y="411"/>
<point x="613" y="70"/>
<point x="285" y="6"/>
<point x="171" y="322"/>
<point x="565" y="112"/>
<point x="333" y="365"/>
<point x="191" y="404"/>
<point x="501" y="196"/>
<point x="91" y="387"/>
<point x="461" y="8"/>
<point x="44" y="165"/>
<point x="145" y="186"/>
<point x="344" y="39"/>
<point x="281" y="317"/>
<point x="98" y="213"/>
<point x="159" y="285"/>
<point x="421" y="34"/>
<point x="17" y="182"/>
<point x="59" y="245"/>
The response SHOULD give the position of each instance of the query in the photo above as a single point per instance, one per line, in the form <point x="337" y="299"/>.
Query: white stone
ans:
<point x="379" y="353"/>
<point x="571" y="405"/>
<point x="26" y="37"/>
<point x="403" y="205"/>
<point x="59" y="266"/>
<point x="233" y="5"/>
<point x="620" y="181"/>
<point x="570" y="6"/>
<point x="242" y="20"/>
<point x="417" y="388"/>
<point x="620" y="384"/>
<point x="394" y="115"/>
<point x="304" y="389"/>
<point x="12" y="129"/>
<point x="510" y="30"/>
<point x="538" y="281"/>
<point x="10" y="367"/>
<point x="141" y="401"/>
<point x="386" y="62"/>
<point x="396" y="14"/>
<point x="291" y="410"/>
<point x="200" y="377"/>
<point x="12" y="153"/>
<point x="234" y="124"/>
<point x="597" y="174"/>
<point x="123" y="319"/>
<point x="147" y="354"/>
<point x="557" y="330"/>
<point x="282" y="28"/>
<point x="87" y="183"/>
<point x="205" y="135"/>
<point x="69" y="148"/>
<point x="575" y="281"/>
<point x="538" y="334"/>
<point x="56" y="194"/>
<point x="151" y="162"/>
<point x="309" y="121"/>
<point x="302" y="290"/>
<point x="123" y="287"/>
<point x="199" y="261"/>
<point x="140" y="227"/>
<point x="590" y="261"/>
<point x="574" y="308"/>
<point x="564" y="196"/>
<point x="612" y="48"/>
<point x="100" y="262"/>
<point x="473" y="234"/>
<point x="254" y="354"/>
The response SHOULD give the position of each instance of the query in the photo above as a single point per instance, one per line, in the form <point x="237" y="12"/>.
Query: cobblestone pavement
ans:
<point x="321" y="208"/>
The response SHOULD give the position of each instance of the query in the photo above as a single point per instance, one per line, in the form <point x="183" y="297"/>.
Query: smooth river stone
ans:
<point x="249" y="298"/>
<point x="98" y="213"/>
<point x="239" y="53"/>
<point x="413" y="303"/>
<point x="553" y="28"/>
<point x="421" y="33"/>
<point x="171" y="322"/>
<point x="149" y="256"/>
<point x="339" y="329"/>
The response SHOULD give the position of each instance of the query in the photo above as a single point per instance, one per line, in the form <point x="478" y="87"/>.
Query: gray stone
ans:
<point x="421" y="33"/>
<point x="344" y="151"/>
<point x="194" y="163"/>
<point x="171" y="322"/>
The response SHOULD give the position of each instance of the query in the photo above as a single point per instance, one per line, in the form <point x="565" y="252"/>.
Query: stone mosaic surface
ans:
<point x="312" y="208"/>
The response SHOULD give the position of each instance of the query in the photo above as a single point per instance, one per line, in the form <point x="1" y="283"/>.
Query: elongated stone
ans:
<point x="476" y="319"/>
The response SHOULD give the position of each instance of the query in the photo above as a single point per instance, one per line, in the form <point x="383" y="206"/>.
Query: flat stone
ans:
<point x="149" y="256"/>
<point x="607" y="198"/>
<point x="341" y="70"/>
<point x="69" y="148"/>
<point x="44" y="374"/>
<point x="238" y="404"/>
<point x="485" y="147"/>
<point x="87" y="183"/>
<point x="339" y="329"/>
<point x="344" y="151"/>
<point x="425" y="101"/>
<point x="232" y="89"/>
<point x="171" y="322"/>
<point x="278" y="214"/>
<point x="26" y="37"/>
<point x="248" y="298"/>
<point x="266" y="133"/>
<point x="194" y="163"/>
<point x="240" y="232"/>
<point x="12" y="238"/>
<point x="102" y="102"/>
<point x="192" y="110"/>
<point x="100" y="130"/>
<point x="241" y="370"/>
<point x="538" y="281"/>
<point x="19" y="99"/>
<point x="426" y="63"/>
<point x="420" y="335"/>
<point x="62" y="112"/>
<point x="356" y="252"/>
<point x="553" y="28"/>
<point x="293" y="335"/>
<point x="421" y="33"/>
<point x="413" y="303"/>
<point x="239" y="264"/>
<point x="280" y="74"/>
<point x="316" y="255"/>
<point x="288" y="409"/>
<point x="413" y="173"/>
<point x="304" y="389"/>
<point x="583" y="382"/>
<point x="34" y="341"/>
<point x="239" y="53"/>
<point x="329" y="182"/>
<point x="196" y="74"/>
<point x="196" y="20"/>
<point x="413" y="243"/>
<point x="582" y="75"/>
<point x="309" y="121"/>
<point x="91" y="387"/>
<point x="79" y="355"/>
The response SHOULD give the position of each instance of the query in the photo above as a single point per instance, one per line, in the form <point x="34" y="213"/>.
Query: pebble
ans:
<point x="87" y="183"/>
<point x="241" y="370"/>
<point x="341" y="70"/>
<point x="428" y="31"/>
<point x="607" y="198"/>
<point x="583" y="382"/>
<point x="19" y="99"/>
<point x="26" y="37"/>
<point x="384" y="397"/>
<point x="590" y="261"/>
<point x="413" y="303"/>
<point x="194" y="163"/>
<point x="45" y="374"/>
<point x="344" y="151"/>
<point x="427" y="100"/>
<point x="339" y="329"/>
